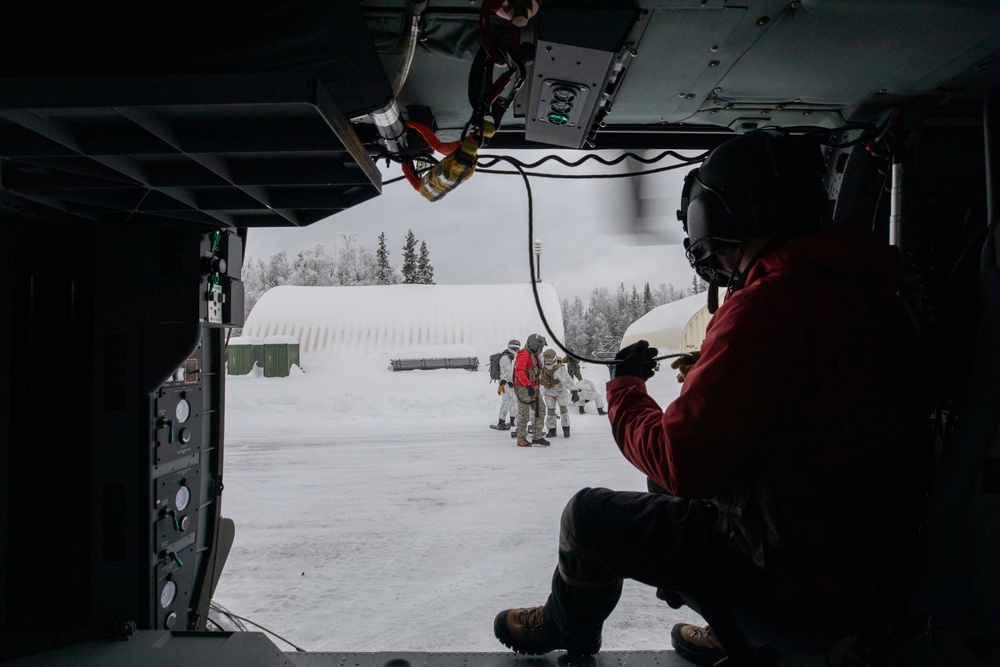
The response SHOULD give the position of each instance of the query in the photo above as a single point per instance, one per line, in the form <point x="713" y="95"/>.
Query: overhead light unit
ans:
<point x="581" y="57"/>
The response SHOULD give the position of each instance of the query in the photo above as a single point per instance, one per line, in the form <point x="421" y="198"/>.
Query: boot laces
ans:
<point x="531" y="618"/>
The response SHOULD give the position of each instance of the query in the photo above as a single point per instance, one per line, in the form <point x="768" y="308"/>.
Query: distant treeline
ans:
<point x="600" y="326"/>
<point x="352" y="263"/>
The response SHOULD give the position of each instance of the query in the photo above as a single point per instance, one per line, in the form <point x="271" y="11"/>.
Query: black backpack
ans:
<point x="495" y="366"/>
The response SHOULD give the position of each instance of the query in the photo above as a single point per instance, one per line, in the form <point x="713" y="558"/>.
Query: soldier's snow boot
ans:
<point x="512" y="422"/>
<point x="601" y="411"/>
<point x="583" y="410"/>
<point x="501" y="425"/>
<point x="551" y="433"/>
<point x="540" y="442"/>
<point x="565" y="431"/>
<point x="529" y="631"/>
<point x="521" y="442"/>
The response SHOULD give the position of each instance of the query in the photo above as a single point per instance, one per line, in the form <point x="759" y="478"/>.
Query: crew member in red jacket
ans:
<point x="785" y="465"/>
<point x="529" y="402"/>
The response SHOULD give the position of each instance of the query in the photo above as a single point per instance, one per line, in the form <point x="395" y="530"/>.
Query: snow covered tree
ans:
<point x="574" y="324"/>
<point x="385" y="273"/>
<point x="647" y="299"/>
<point x="313" y="266"/>
<point x="409" y="268"/>
<point x="667" y="294"/>
<point x="698" y="285"/>
<point x="425" y="272"/>
<point x="278" y="271"/>
<point x="634" y="307"/>
<point x="601" y="337"/>
<point x="253" y="283"/>
<point x="259" y="276"/>
<point x="356" y="264"/>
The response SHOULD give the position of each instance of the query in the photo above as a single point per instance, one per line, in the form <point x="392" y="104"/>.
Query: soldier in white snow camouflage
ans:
<point x="558" y="389"/>
<point x="588" y="392"/>
<point x="508" y="397"/>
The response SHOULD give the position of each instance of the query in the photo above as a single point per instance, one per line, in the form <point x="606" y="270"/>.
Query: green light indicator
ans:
<point x="558" y="118"/>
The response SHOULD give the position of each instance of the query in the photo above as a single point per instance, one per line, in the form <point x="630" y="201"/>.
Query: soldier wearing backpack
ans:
<point x="572" y="365"/>
<point x="505" y="375"/>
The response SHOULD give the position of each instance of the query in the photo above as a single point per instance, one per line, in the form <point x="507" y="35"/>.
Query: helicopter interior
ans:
<point x="142" y="143"/>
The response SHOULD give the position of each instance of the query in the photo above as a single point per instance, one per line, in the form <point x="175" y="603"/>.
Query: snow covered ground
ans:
<point x="376" y="511"/>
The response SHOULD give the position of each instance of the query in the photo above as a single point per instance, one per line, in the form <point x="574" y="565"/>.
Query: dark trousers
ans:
<point x="659" y="540"/>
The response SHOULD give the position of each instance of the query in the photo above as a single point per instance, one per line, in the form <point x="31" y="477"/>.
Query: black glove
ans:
<point x="503" y="382"/>
<point x="636" y="359"/>
<point x="574" y="395"/>
<point x="531" y="392"/>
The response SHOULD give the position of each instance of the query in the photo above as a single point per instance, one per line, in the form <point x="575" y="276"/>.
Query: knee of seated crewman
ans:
<point x="582" y="572"/>
<point x="573" y="537"/>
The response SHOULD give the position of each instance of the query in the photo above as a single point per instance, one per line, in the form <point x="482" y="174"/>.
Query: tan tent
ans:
<point x="678" y="326"/>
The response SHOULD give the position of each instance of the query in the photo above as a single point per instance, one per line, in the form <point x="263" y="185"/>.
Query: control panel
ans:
<point x="177" y="435"/>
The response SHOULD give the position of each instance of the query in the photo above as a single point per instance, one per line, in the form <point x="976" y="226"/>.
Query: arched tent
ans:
<point x="383" y="318"/>
<point x="678" y="326"/>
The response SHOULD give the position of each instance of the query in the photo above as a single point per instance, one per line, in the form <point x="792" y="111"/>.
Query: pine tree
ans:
<point x="647" y="299"/>
<point x="385" y="273"/>
<point x="409" y="269"/>
<point x="425" y="272"/>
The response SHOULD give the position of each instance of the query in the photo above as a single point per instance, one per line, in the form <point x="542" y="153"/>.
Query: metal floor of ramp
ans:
<point x="508" y="659"/>
<point x="160" y="648"/>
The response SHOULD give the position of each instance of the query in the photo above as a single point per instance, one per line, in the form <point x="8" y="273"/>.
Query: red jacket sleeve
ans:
<point x="734" y="395"/>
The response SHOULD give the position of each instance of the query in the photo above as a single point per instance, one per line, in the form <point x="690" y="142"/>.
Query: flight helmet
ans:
<point x="535" y="343"/>
<point x="763" y="184"/>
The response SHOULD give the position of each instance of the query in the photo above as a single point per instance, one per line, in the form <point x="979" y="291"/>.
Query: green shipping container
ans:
<point x="241" y="354"/>
<point x="280" y="353"/>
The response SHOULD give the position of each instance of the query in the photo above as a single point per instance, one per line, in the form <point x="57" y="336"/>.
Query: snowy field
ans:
<point x="376" y="511"/>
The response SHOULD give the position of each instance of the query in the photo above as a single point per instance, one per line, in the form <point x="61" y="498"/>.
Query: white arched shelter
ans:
<point x="678" y="326"/>
<point x="383" y="318"/>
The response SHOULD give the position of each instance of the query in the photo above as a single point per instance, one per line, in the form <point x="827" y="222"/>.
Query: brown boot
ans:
<point x="521" y="442"/>
<point x="529" y="631"/>
<point x="697" y="645"/>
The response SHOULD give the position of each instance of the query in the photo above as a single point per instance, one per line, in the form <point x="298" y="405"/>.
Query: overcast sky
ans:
<point x="479" y="233"/>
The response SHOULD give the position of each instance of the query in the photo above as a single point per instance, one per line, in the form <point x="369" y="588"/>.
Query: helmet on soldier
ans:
<point x="535" y="343"/>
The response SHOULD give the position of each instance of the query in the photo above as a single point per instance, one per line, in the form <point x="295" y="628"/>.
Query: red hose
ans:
<point x="432" y="140"/>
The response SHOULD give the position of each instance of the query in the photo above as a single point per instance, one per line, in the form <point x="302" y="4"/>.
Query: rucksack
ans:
<point x="495" y="366"/>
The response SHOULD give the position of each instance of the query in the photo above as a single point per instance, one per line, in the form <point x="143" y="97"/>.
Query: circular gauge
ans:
<point x="168" y="593"/>
<point x="183" y="410"/>
<point x="184" y="436"/>
<point x="182" y="497"/>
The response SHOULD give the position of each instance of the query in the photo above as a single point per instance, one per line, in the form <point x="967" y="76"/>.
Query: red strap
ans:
<point x="431" y="139"/>
<point x="411" y="175"/>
